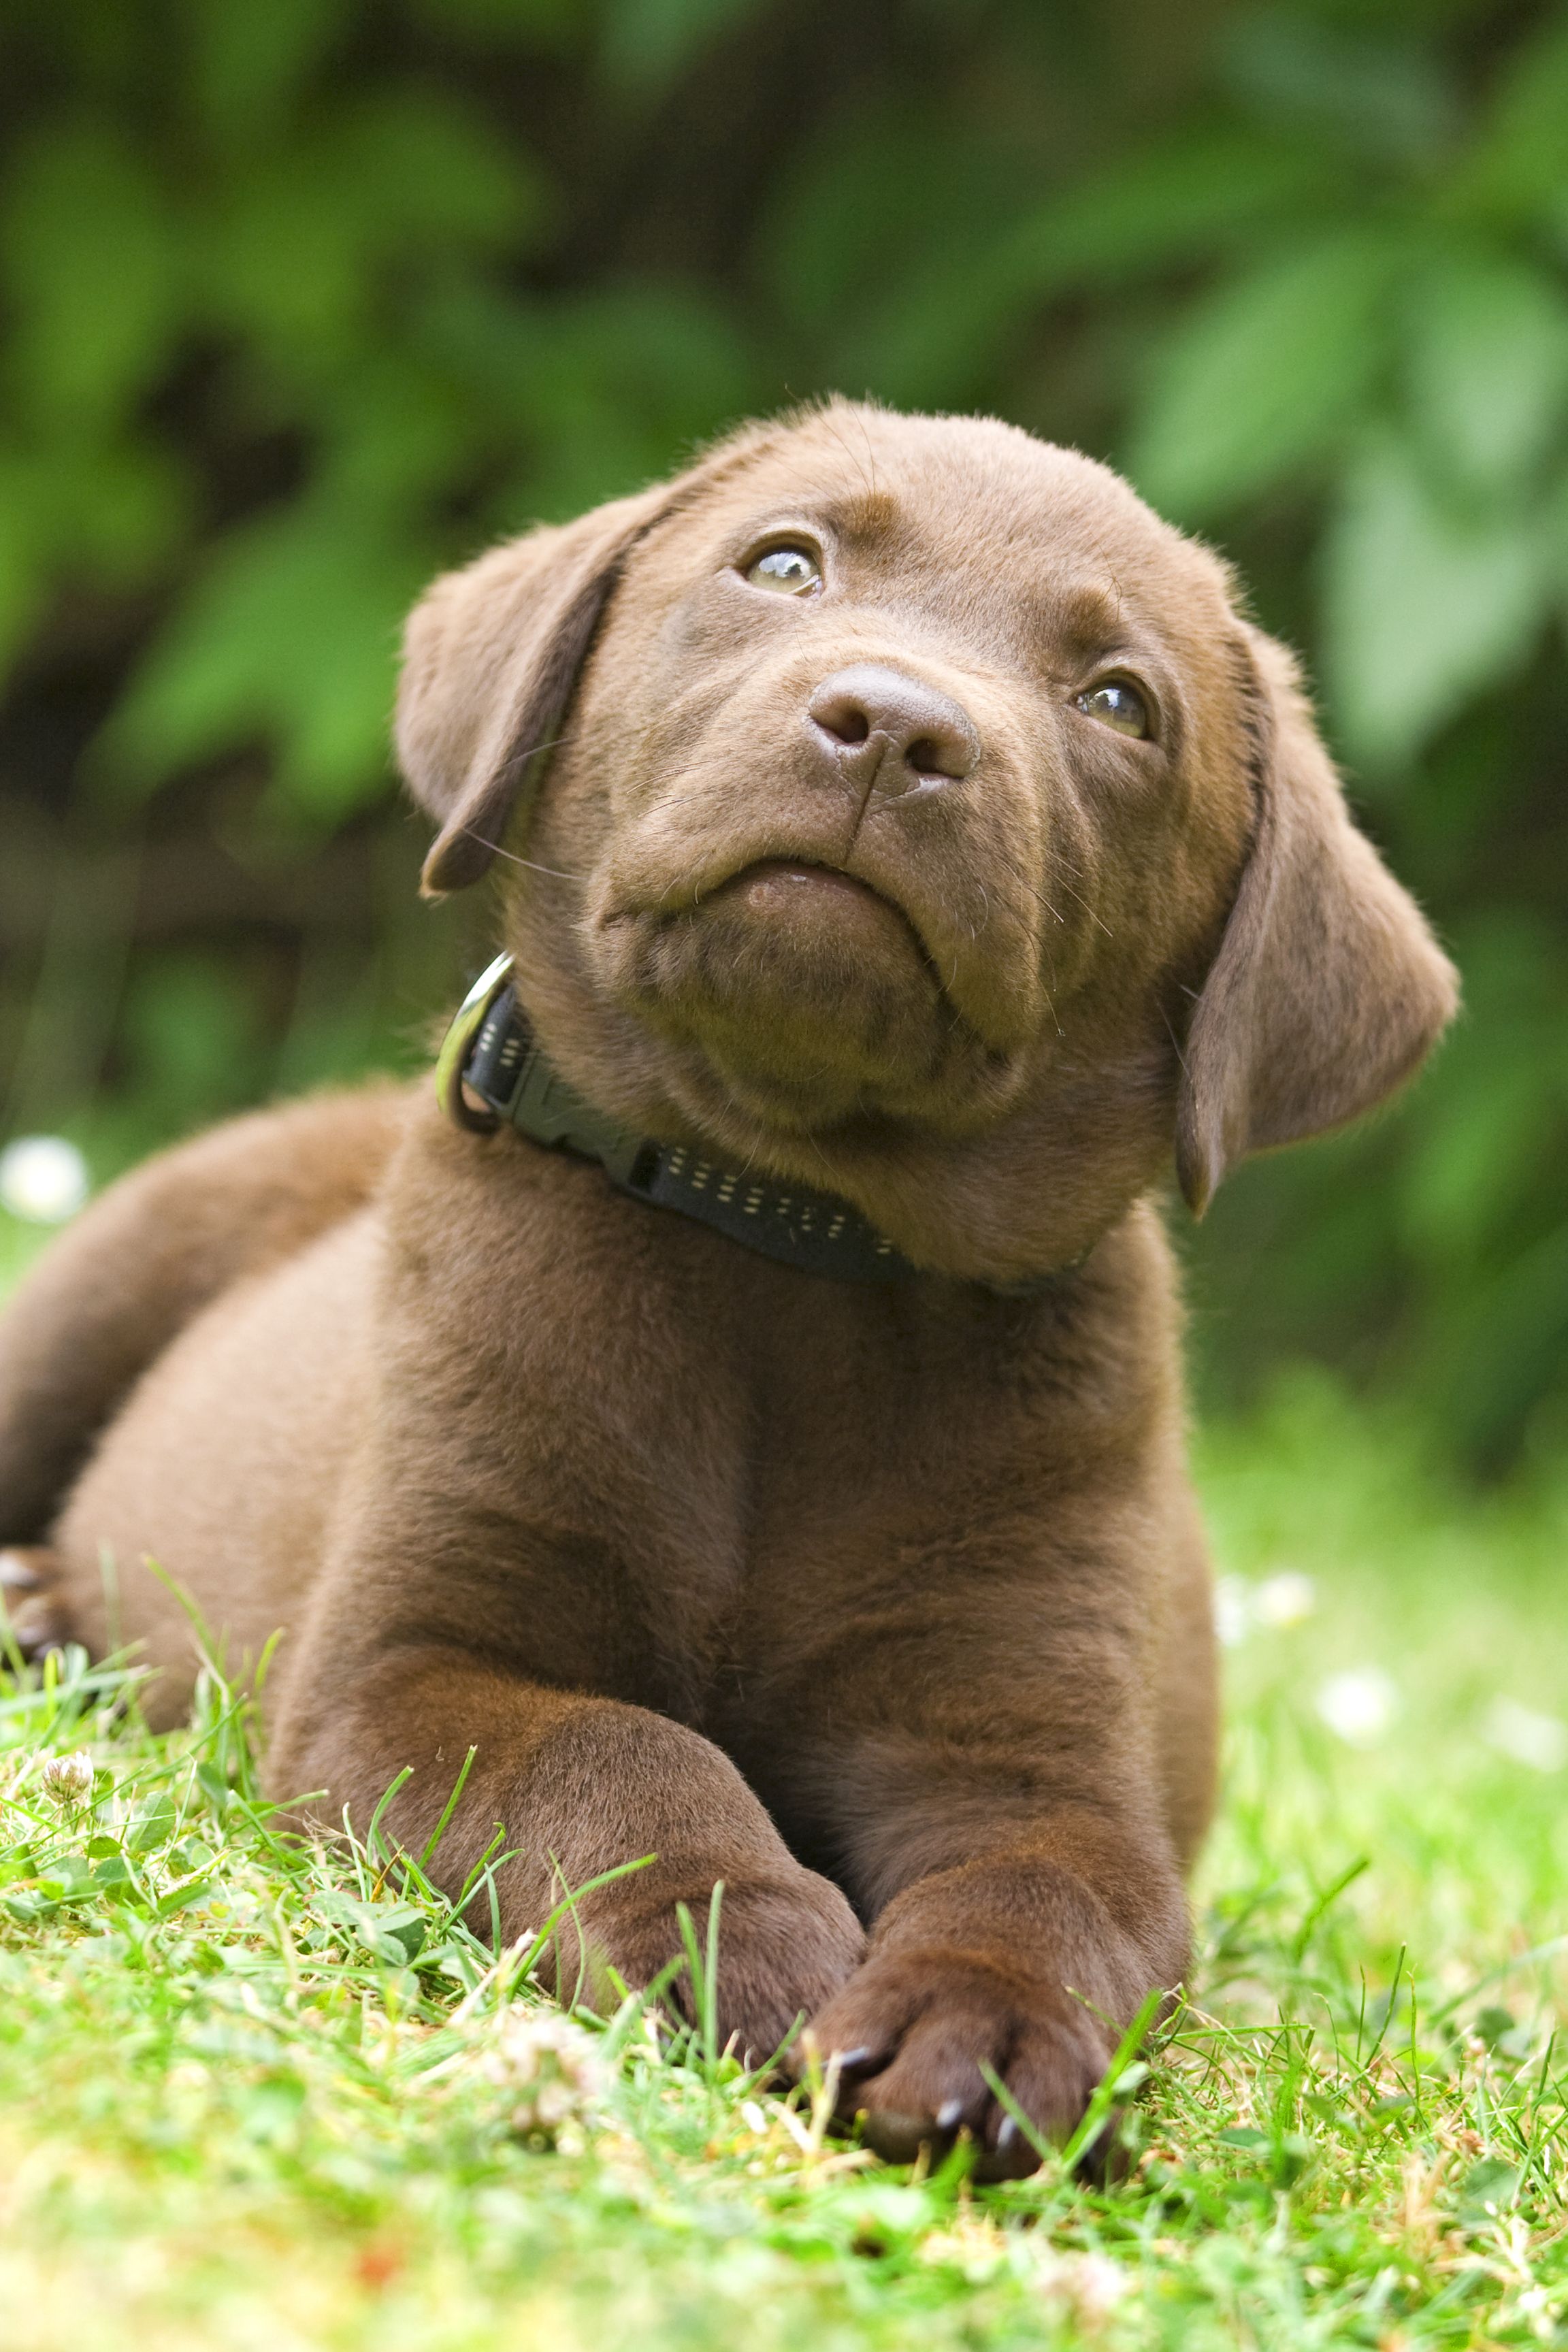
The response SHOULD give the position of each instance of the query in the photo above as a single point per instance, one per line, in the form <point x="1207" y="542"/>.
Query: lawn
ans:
<point x="253" y="2094"/>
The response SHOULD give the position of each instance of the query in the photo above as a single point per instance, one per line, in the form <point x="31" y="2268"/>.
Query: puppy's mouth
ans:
<point x="801" y="891"/>
<point x="809" y="993"/>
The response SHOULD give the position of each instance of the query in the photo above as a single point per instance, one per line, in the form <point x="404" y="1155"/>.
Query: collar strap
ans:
<point x="491" y="1052"/>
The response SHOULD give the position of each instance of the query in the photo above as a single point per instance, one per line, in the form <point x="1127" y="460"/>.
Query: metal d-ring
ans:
<point x="458" y="1044"/>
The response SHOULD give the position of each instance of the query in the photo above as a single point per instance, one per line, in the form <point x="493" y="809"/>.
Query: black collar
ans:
<point x="491" y="1052"/>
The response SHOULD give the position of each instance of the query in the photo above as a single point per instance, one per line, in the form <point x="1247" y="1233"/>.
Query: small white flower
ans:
<point x="69" y="1777"/>
<point x="1087" y="2287"/>
<point x="43" y="1179"/>
<point x="549" y="2069"/>
<point x="1233" y="1611"/>
<point x="1539" y="1740"/>
<point x="1286" y="1598"/>
<point x="1358" y="1705"/>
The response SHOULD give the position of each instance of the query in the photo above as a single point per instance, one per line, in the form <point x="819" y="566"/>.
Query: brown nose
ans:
<point x="882" y="728"/>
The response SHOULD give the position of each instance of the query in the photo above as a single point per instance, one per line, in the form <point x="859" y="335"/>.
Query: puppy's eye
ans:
<point x="1116" y="703"/>
<point x="787" y="570"/>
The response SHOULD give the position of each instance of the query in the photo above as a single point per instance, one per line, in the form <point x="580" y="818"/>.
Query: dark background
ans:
<point x="303" y="299"/>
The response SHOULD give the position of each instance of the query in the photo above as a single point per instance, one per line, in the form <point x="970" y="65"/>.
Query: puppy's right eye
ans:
<point x="787" y="570"/>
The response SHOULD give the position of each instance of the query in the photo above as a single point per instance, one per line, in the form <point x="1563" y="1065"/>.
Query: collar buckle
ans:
<point x="452" y="1063"/>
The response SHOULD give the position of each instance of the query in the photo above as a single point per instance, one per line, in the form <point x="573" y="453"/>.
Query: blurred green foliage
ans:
<point x="302" y="301"/>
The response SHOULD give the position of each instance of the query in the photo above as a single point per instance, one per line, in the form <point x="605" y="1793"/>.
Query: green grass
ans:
<point x="257" y="2095"/>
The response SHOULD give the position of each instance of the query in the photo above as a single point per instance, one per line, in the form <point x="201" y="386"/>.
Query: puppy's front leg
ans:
<point x="581" y="1784"/>
<point x="1010" y="1848"/>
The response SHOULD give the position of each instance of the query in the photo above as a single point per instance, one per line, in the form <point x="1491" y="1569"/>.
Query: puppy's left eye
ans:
<point x="1116" y="703"/>
<point x="787" y="570"/>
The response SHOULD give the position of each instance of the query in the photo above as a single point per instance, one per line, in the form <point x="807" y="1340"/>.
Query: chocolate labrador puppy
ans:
<point x="747" y="1408"/>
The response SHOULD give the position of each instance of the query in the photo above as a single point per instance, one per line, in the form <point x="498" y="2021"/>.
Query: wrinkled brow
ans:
<point x="862" y="514"/>
<point x="1089" y="614"/>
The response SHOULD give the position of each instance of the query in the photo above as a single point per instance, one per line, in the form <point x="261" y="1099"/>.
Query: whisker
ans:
<point x="1087" y="910"/>
<point x="822" y="1155"/>
<point x="521" y="758"/>
<point x="1172" y="1035"/>
<point x="513" y="859"/>
<point x="1040" y="899"/>
<point x="870" y="482"/>
<point x="870" y="449"/>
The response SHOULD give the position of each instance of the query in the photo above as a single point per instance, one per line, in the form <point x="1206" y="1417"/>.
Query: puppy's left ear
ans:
<point x="1328" y="989"/>
<point x="490" y="659"/>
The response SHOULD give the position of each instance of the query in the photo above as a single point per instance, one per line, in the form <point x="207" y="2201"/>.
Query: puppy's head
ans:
<point x="897" y="805"/>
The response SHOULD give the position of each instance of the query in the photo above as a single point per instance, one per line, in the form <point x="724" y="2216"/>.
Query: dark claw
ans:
<point x="35" y="1618"/>
<point x="37" y="1626"/>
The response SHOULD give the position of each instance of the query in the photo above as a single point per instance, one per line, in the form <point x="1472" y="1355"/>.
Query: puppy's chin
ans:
<point x="808" y="995"/>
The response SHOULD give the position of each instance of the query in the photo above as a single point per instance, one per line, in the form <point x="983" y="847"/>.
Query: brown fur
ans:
<point x="888" y="1607"/>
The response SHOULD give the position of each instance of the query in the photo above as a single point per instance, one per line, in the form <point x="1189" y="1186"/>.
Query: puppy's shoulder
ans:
<point x="1101" y="1343"/>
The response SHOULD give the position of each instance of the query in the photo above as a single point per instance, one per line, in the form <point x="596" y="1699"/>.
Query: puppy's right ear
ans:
<point x="491" y="658"/>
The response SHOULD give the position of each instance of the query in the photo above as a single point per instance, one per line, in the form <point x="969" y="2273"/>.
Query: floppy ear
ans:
<point x="490" y="659"/>
<point x="1328" y="989"/>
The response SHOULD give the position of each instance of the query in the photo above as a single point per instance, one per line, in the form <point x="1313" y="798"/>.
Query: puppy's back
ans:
<point x="222" y="1469"/>
<point x="113" y="1292"/>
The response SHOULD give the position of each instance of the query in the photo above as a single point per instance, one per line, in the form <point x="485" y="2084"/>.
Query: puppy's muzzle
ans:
<point x="889" y="735"/>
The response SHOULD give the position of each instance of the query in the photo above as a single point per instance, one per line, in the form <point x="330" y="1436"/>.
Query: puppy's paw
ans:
<point x="784" y="1949"/>
<point x="786" y="1946"/>
<point x="34" y="1612"/>
<point x="911" y="2032"/>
